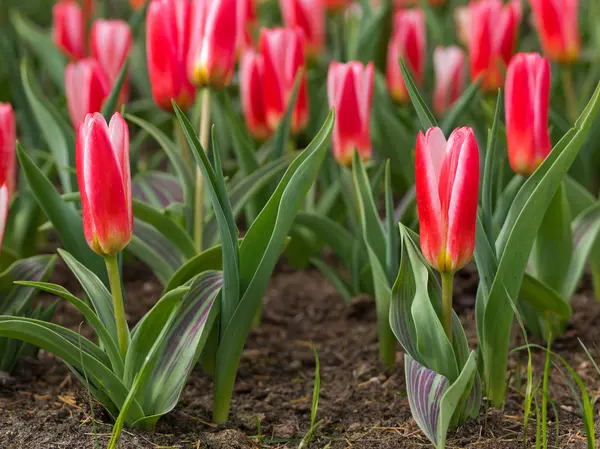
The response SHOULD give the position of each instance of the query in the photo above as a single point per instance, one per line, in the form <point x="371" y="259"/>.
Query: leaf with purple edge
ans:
<point x="158" y="189"/>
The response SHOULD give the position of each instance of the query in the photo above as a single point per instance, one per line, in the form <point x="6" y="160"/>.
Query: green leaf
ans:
<point x="488" y="173"/>
<point x="282" y="136"/>
<point x="374" y="34"/>
<point x="110" y="104"/>
<point x="461" y="105"/>
<point x="546" y="301"/>
<point x="425" y="116"/>
<point x="392" y="243"/>
<point x="154" y="249"/>
<point x="158" y="189"/>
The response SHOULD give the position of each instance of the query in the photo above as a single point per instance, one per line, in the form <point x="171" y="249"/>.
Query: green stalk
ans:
<point x="114" y="278"/>
<point x="182" y="142"/>
<point x="199" y="205"/>
<point x="569" y="92"/>
<point x="447" y="279"/>
<point x="387" y="339"/>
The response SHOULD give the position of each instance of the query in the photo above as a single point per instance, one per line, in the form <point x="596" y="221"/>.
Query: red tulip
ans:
<point x="283" y="56"/>
<point x="527" y="101"/>
<point x="7" y="147"/>
<point x="167" y="45"/>
<point x="409" y="42"/>
<point x="68" y="29"/>
<point x="86" y="87"/>
<point x="309" y="16"/>
<point x="447" y="183"/>
<point x="252" y="96"/>
<point x="557" y="24"/>
<point x="450" y="69"/>
<point x="213" y="43"/>
<point x="491" y="32"/>
<point x="350" y="91"/>
<point x="105" y="183"/>
<point x="246" y="22"/>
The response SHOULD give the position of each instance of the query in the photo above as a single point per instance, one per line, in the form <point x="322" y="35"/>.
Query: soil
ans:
<point x="361" y="406"/>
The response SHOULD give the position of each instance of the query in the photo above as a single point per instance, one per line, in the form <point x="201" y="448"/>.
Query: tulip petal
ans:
<point x="7" y="147"/>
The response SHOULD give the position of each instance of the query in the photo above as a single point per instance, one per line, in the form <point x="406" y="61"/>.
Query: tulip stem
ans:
<point x="204" y="137"/>
<point x="182" y="143"/>
<point x="447" y="279"/>
<point x="569" y="92"/>
<point x="114" y="278"/>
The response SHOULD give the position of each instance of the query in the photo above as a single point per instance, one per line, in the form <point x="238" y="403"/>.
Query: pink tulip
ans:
<point x="309" y="16"/>
<point x="105" y="183"/>
<point x="450" y="69"/>
<point x="447" y="183"/>
<point x="68" y="29"/>
<point x="283" y="56"/>
<point x="213" y="43"/>
<point x="252" y="96"/>
<point x="167" y="45"/>
<point x="409" y="43"/>
<point x="557" y="24"/>
<point x="7" y="147"/>
<point x="527" y="101"/>
<point x="86" y="87"/>
<point x="350" y="91"/>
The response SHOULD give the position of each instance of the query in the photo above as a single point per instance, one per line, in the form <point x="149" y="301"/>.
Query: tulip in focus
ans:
<point x="409" y="43"/>
<point x="350" y="91"/>
<point x="7" y="147"/>
<point x="526" y="102"/>
<point x="309" y="16"/>
<point x="283" y="58"/>
<point x="167" y="45"/>
<point x="447" y="186"/>
<point x="490" y="29"/>
<point x="104" y="178"/>
<point x="87" y="87"/>
<point x="557" y="25"/>
<point x="68" y="29"/>
<point x="213" y="44"/>
<point x="450" y="69"/>
<point x="251" y="93"/>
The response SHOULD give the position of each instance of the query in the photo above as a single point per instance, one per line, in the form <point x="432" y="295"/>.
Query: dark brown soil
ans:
<point x="360" y="406"/>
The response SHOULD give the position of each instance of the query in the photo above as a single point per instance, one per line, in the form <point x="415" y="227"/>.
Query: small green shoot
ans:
<point x="315" y="404"/>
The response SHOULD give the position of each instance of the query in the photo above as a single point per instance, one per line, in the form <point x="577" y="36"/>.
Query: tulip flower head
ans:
<point x="213" y="44"/>
<point x="447" y="185"/>
<point x="7" y="147"/>
<point x="87" y="87"/>
<point x="350" y="92"/>
<point x="104" y="179"/>
<point x="309" y="16"/>
<point x="409" y="43"/>
<point x="283" y="58"/>
<point x="557" y="25"/>
<point x="167" y="45"/>
<point x="526" y="102"/>
<point x="450" y="69"/>
<point x="68" y="28"/>
<point x="252" y="96"/>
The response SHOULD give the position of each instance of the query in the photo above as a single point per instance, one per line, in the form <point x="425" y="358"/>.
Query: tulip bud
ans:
<point x="450" y="69"/>
<point x="491" y="33"/>
<point x="283" y="58"/>
<point x="68" y="29"/>
<point x="4" y="203"/>
<point x="557" y="24"/>
<point x="86" y="87"/>
<point x="104" y="181"/>
<point x="167" y="45"/>
<point x="309" y="16"/>
<point x="447" y="185"/>
<point x="251" y="93"/>
<point x="111" y="41"/>
<point x="7" y="147"/>
<point x="409" y="43"/>
<point x="350" y="91"/>
<point x="213" y="43"/>
<point x="527" y="101"/>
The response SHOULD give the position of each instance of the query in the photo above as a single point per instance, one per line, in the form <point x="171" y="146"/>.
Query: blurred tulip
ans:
<point x="408" y="42"/>
<point x="252" y="96"/>
<point x="110" y="42"/>
<point x="7" y="147"/>
<point x="283" y="58"/>
<point x="104" y="181"/>
<point x="461" y="18"/>
<point x="137" y="4"/>
<point x="336" y="5"/>
<point x="247" y="20"/>
<point x="167" y="45"/>
<point x="213" y="43"/>
<point x="450" y="69"/>
<point x="68" y="28"/>
<point x="86" y="87"/>
<point x="309" y="16"/>
<point x="557" y="24"/>
<point x="527" y="97"/>
<point x="350" y="92"/>
<point x="491" y="31"/>
<point x="4" y="203"/>
<point x="447" y="183"/>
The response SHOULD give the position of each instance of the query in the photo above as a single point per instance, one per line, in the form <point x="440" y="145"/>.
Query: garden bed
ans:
<point x="360" y="405"/>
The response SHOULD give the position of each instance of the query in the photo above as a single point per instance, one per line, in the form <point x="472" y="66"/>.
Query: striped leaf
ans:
<point x="158" y="189"/>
